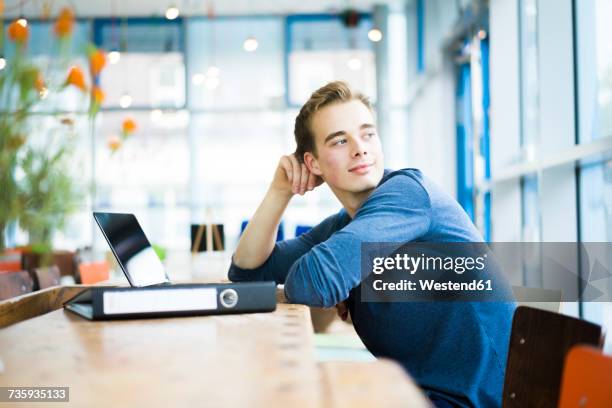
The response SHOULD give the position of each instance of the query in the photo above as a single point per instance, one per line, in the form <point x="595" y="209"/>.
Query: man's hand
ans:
<point x="342" y="310"/>
<point x="292" y="177"/>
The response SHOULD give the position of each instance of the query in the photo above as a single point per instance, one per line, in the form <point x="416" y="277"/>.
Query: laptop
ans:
<point x="151" y="293"/>
<point x="133" y="251"/>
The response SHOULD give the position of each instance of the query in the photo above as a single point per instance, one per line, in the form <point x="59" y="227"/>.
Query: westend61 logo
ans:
<point x="393" y="272"/>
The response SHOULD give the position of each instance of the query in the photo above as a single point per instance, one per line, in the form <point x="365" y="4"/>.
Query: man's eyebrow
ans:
<point x="342" y="132"/>
<point x="332" y="135"/>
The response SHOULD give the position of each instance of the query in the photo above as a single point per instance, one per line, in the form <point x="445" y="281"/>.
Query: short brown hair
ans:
<point x="333" y="92"/>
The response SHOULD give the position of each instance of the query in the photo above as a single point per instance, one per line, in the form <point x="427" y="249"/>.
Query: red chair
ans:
<point x="94" y="272"/>
<point x="10" y="261"/>
<point x="587" y="379"/>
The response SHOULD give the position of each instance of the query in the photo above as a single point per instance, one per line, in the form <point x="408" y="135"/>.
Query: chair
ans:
<point x="538" y="344"/>
<point x="10" y="261"/>
<point x="280" y="234"/>
<point x="199" y="237"/>
<point x="94" y="272"/>
<point x="46" y="277"/>
<point x="587" y="379"/>
<point x="301" y="229"/>
<point x="63" y="259"/>
<point x="15" y="284"/>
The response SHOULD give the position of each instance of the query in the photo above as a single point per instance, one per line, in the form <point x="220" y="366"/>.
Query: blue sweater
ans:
<point x="455" y="350"/>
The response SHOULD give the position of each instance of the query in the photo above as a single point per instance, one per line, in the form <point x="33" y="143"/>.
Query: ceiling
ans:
<point x="156" y="8"/>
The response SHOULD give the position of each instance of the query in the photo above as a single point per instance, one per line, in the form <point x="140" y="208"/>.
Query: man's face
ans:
<point x="349" y="153"/>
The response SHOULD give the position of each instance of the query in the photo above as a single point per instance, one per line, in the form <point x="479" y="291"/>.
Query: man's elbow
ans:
<point x="233" y="275"/>
<point x="238" y="274"/>
<point x="245" y="262"/>
<point x="307" y="295"/>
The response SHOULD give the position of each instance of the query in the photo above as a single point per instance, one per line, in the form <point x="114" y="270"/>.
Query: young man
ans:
<point x="456" y="351"/>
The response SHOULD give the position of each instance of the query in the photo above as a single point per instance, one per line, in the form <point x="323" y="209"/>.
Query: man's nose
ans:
<point x="359" y="148"/>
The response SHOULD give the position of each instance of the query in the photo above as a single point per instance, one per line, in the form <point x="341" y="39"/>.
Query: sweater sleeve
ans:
<point x="286" y="252"/>
<point x="398" y="211"/>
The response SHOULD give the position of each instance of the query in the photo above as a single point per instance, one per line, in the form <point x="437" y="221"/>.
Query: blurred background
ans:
<point x="178" y="111"/>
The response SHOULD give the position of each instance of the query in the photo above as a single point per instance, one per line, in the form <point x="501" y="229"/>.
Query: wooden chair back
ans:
<point x="539" y="342"/>
<point x="15" y="284"/>
<point x="46" y="277"/>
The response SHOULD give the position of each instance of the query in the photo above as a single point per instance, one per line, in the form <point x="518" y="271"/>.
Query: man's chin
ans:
<point x="370" y="180"/>
<point x="357" y="184"/>
<point x="363" y="185"/>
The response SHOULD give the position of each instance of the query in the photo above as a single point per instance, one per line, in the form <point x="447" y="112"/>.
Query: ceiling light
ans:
<point x="354" y="64"/>
<point x="198" y="79"/>
<point x="212" y="83"/>
<point x="250" y="44"/>
<point x="125" y="100"/>
<point x="114" y="57"/>
<point x="172" y="12"/>
<point x="213" y="71"/>
<point x="375" y="35"/>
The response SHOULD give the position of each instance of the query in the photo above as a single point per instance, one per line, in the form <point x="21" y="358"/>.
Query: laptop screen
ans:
<point x="131" y="248"/>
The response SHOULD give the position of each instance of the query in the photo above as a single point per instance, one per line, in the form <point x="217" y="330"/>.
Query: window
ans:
<point x="473" y="163"/>
<point x="594" y="68"/>
<point x="530" y="114"/>
<point x="152" y="80"/>
<point x="223" y="76"/>
<point x="322" y="48"/>
<point x="596" y="226"/>
<point x="148" y="175"/>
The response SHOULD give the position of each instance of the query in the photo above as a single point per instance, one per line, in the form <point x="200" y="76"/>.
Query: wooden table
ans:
<point x="249" y="360"/>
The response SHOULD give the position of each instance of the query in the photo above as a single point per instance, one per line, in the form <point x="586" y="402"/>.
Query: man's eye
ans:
<point x="371" y="134"/>
<point x="339" y="142"/>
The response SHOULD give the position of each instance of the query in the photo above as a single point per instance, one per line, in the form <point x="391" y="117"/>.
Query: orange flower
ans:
<point x="129" y="126"/>
<point x="65" y="22"/>
<point x="76" y="78"/>
<point x="18" y="31"/>
<point x="39" y="83"/>
<point x="114" y="143"/>
<point x="97" y="61"/>
<point x="97" y="95"/>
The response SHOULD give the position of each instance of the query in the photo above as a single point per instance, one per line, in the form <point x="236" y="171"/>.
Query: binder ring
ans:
<point x="228" y="298"/>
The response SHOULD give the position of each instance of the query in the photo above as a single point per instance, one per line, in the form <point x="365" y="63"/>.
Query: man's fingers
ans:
<point x="304" y="178"/>
<point x="299" y="177"/>
<point x="296" y="174"/>
<point x="288" y="167"/>
<point x="311" y="181"/>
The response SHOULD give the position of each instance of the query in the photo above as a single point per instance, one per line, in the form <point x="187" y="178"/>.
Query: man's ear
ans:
<point x="312" y="163"/>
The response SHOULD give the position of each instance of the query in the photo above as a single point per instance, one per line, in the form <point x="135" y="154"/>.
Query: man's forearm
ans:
<point x="258" y="239"/>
